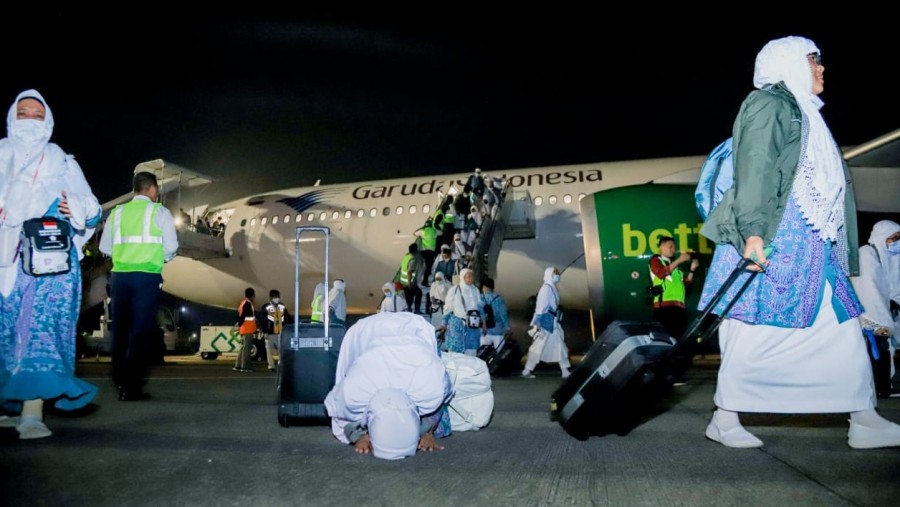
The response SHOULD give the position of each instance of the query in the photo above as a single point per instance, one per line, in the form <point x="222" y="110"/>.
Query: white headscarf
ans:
<point x="34" y="173"/>
<point x="337" y="300"/>
<point x="393" y="424"/>
<point x="818" y="186"/>
<point x="463" y="297"/>
<point x="879" y="280"/>
<point x="386" y="351"/>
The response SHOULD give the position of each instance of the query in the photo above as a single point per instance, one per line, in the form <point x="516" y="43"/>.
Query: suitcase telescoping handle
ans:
<point x="300" y="231"/>
<point x="742" y="267"/>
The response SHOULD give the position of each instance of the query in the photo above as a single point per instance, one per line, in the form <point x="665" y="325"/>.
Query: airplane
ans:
<point x="373" y="222"/>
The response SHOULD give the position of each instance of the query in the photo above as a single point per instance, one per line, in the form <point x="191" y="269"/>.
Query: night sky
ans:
<point x="266" y="102"/>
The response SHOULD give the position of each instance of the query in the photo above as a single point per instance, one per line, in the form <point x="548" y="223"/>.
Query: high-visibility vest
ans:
<point x="317" y="314"/>
<point x="275" y="314"/>
<point x="404" y="266"/>
<point x="673" y="285"/>
<point x="248" y="325"/>
<point x="137" y="241"/>
<point x="429" y="238"/>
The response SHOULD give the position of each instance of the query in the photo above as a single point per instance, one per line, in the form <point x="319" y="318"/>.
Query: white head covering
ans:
<point x="320" y="290"/>
<point x="819" y="183"/>
<point x="878" y="282"/>
<point x="464" y="298"/>
<point x="388" y="289"/>
<point x="33" y="174"/>
<point x="28" y="137"/>
<point x="393" y="424"/>
<point x="548" y="275"/>
<point x="337" y="300"/>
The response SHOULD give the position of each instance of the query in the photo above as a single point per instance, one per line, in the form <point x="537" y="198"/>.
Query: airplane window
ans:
<point x="323" y="216"/>
<point x="360" y="213"/>
<point x="373" y="212"/>
<point x="275" y="220"/>
<point x="252" y="222"/>
<point x="412" y="209"/>
<point x="335" y="215"/>
<point x="243" y="222"/>
<point x="552" y="199"/>
<point x="299" y="217"/>
<point x="426" y="208"/>
<point x="264" y="221"/>
<point x="310" y="217"/>
<point x="386" y="211"/>
<point x="399" y="210"/>
<point x="348" y="214"/>
<point x="580" y="196"/>
<point x="286" y="219"/>
<point x="567" y="198"/>
<point x="538" y="201"/>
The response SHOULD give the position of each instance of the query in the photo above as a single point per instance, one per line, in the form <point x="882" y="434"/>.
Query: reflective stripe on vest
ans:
<point x="317" y="314"/>
<point x="248" y="326"/>
<point x="673" y="285"/>
<point x="137" y="241"/>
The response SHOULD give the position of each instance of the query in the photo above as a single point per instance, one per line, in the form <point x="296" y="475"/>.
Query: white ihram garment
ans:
<point x="823" y="368"/>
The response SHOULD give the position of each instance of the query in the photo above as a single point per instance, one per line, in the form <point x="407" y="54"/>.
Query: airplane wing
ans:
<point x="875" y="167"/>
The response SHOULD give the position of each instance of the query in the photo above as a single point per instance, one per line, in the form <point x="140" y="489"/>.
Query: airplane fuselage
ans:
<point x="372" y="223"/>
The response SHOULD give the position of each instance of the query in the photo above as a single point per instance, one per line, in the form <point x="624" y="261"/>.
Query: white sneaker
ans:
<point x="863" y="437"/>
<point x="736" y="437"/>
<point x="565" y="372"/>
<point x="527" y="374"/>
<point x="9" y="421"/>
<point x="31" y="428"/>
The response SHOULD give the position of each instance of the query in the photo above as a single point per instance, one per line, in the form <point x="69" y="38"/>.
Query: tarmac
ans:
<point x="210" y="436"/>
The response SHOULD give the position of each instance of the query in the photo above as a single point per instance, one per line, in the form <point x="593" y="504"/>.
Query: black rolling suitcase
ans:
<point x="629" y="368"/>
<point x="308" y="358"/>
<point x="503" y="360"/>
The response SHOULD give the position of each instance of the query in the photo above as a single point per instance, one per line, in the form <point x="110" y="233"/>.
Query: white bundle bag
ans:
<point x="473" y="405"/>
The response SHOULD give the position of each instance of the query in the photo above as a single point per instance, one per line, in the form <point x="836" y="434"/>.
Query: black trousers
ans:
<point x="135" y="302"/>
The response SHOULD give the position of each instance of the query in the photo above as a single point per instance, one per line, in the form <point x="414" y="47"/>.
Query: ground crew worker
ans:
<point x="247" y="328"/>
<point x="140" y="236"/>
<point x="276" y="313"/>
<point x="668" y="298"/>
<point x="318" y="303"/>
<point x="409" y="267"/>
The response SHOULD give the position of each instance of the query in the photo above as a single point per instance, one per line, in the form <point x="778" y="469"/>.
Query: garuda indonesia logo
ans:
<point x="308" y="200"/>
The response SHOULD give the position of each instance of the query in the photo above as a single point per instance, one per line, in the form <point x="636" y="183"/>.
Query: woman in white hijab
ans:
<point x="38" y="314"/>
<point x="337" y="302"/>
<point x="463" y="333"/>
<point x="391" y="387"/>
<point x="878" y="283"/>
<point x="792" y="343"/>
<point x="549" y="343"/>
<point x="391" y="302"/>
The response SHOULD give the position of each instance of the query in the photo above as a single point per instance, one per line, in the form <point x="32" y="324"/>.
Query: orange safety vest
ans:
<point x="248" y="326"/>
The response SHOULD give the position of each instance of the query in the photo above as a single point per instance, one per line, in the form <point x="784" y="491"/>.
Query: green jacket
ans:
<point x="767" y="143"/>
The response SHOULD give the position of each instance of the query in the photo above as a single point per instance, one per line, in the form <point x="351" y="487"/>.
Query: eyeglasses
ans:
<point x="816" y="58"/>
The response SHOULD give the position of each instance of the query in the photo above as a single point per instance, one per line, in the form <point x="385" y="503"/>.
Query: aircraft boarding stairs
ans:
<point x="514" y="219"/>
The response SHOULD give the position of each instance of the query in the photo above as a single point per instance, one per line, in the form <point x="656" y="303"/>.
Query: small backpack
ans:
<point x="489" y="320"/>
<point x="716" y="177"/>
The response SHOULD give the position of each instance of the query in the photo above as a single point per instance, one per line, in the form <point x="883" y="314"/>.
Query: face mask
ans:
<point x="894" y="248"/>
<point x="555" y="278"/>
<point x="29" y="131"/>
<point x="276" y="300"/>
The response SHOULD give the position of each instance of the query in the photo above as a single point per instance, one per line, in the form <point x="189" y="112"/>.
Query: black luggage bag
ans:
<point x="504" y="360"/>
<point x="629" y="368"/>
<point x="307" y="359"/>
